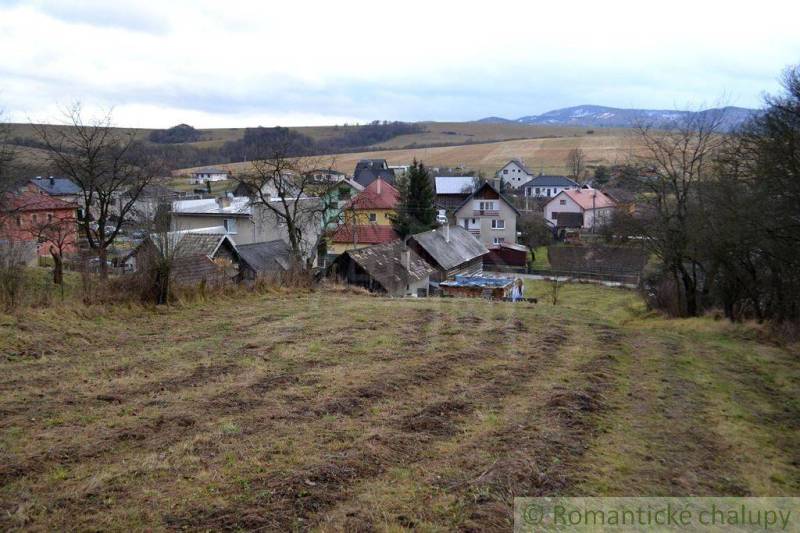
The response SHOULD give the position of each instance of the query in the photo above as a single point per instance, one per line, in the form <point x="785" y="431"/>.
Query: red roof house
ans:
<point x="40" y="218"/>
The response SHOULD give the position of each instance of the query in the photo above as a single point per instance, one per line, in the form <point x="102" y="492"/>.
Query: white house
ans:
<point x="489" y="216"/>
<point x="595" y="207"/>
<point x="514" y="173"/>
<point x="547" y="186"/>
<point x="203" y="175"/>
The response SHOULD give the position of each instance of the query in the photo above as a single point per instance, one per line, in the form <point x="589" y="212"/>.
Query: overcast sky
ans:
<point x="234" y="63"/>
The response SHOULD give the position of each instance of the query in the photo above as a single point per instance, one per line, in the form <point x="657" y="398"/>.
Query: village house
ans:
<point x="514" y="173"/>
<point x="195" y="257"/>
<point x="367" y="218"/>
<point x="206" y="174"/>
<point x="326" y="175"/>
<point x="451" y="191"/>
<point x="264" y="259"/>
<point x="489" y="216"/>
<point x="41" y="219"/>
<point x="390" y="268"/>
<point x="595" y="207"/>
<point x="232" y="213"/>
<point x="547" y="186"/>
<point x="307" y="213"/>
<point x="369" y="170"/>
<point x="451" y="250"/>
<point x="62" y="188"/>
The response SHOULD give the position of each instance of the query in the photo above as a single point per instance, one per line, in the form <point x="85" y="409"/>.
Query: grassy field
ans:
<point x="333" y="411"/>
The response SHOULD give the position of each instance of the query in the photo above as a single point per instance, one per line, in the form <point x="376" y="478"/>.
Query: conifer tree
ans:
<point x="415" y="212"/>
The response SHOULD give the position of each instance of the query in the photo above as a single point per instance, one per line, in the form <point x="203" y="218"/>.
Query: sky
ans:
<point x="233" y="63"/>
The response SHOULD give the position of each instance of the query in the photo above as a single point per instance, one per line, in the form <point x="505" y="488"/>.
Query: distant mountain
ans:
<point x="496" y="120"/>
<point x="596" y="116"/>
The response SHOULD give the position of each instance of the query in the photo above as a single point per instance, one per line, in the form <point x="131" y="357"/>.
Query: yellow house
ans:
<point x="367" y="219"/>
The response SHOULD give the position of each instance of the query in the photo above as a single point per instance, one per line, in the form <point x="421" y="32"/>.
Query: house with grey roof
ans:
<point x="391" y="268"/>
<point x="543" y="186"/>
<point x="205" y="174"/>
<point x="231" y="212"/>
<point x="451" y="250"/>
<point x="195" y="257"/>
<point x="264" y="259"/>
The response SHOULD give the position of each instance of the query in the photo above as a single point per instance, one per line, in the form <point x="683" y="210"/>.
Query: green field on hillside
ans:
<point x="334" y="410"/>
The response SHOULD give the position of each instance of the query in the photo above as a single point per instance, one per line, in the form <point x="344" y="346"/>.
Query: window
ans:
<point x="548" y="192"/>
<point x="554" y="216"/>
<point x="505" y="171"/>
<point x="486" y="206"/>
<point x="538" y="191"/>
<point x="373" y="217"/>
<point x="562" y="202"/>
<point x="49" y="217"/>
<point x="498" y="240"/>
<point x="230" y="225"/>
<point x="498" y="223"/>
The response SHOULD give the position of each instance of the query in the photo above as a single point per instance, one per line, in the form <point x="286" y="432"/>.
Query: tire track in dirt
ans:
<point x="686" y="455"/>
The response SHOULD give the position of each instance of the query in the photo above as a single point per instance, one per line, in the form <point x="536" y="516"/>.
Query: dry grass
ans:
<point x="544" y="154"/>
<point x="333" y="410"/>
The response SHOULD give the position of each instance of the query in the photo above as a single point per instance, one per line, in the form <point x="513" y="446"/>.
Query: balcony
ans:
<point x="485" y="213"/>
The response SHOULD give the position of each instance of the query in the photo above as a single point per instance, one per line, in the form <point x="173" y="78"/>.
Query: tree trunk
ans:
<point x="102" y="254"/>
<point x="690" y="288"/>
<point x="58" y="267"/>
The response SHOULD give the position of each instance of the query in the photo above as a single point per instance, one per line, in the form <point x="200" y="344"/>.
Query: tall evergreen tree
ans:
<point x="415" y="212"/>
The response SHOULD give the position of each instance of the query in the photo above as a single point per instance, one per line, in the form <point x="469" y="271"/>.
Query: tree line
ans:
<point x="721" y="211"/>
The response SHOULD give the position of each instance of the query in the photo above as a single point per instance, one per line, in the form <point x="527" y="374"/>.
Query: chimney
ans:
<point x="52" y="181"/>
<point x="379" y="185"/>
<point x="447" y="233"/>
<point x="405" y="259"/>
<point x="223" y="202"/>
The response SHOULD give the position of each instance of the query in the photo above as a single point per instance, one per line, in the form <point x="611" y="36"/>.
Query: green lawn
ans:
<point x="331" y="410"/>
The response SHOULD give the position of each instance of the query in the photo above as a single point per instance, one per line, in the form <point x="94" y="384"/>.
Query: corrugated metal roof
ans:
<point x="461" y="248"/>
<point x="454" y="184"/>
<point x="239" y="205"/>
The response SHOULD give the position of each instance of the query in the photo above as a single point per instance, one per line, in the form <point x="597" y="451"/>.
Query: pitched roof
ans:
<point x="29" y="201"/>
<point x="588" y="198"/>
<point x="210" y="170"/>
<point x="56" y="186"/>
<point x="454" y="184"/>
<point x="461" y="248"/>
<point x="550" y="181"/>
<point x="267" y="256"/>
<point x="481" y="188"/>
<point x="366" y="176"/>
<point x="364" y="234"/>
<point x="377" y="195"/>
<point x="519" y="163"/>
<point x="384" y="263"/>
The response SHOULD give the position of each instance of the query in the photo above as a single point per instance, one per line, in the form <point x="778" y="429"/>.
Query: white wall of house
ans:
<point x="240" y="229"/>
<point x="564" y="204"/>
<point x="202" y="177"/>
<point x="513" y="174"/>
<point x="490" y="221"/>
<point x="545" y="192"/>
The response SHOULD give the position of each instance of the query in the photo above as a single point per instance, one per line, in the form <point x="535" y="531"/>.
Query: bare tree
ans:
<point x="58" y="235"/>
<point x="576" y="162"/>
<point x="678" y="159"/>
<point x="285" y="191"/>
<point x="105" y="163"/>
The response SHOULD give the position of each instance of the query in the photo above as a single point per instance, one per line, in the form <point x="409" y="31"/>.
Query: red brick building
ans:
<point x="41" y="218"/>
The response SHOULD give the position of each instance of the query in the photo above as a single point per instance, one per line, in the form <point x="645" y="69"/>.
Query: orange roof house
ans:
<point x="367" y="218"/>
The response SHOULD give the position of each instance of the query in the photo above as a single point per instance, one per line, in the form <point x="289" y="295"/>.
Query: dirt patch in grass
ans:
<point x="437" y="419"/>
